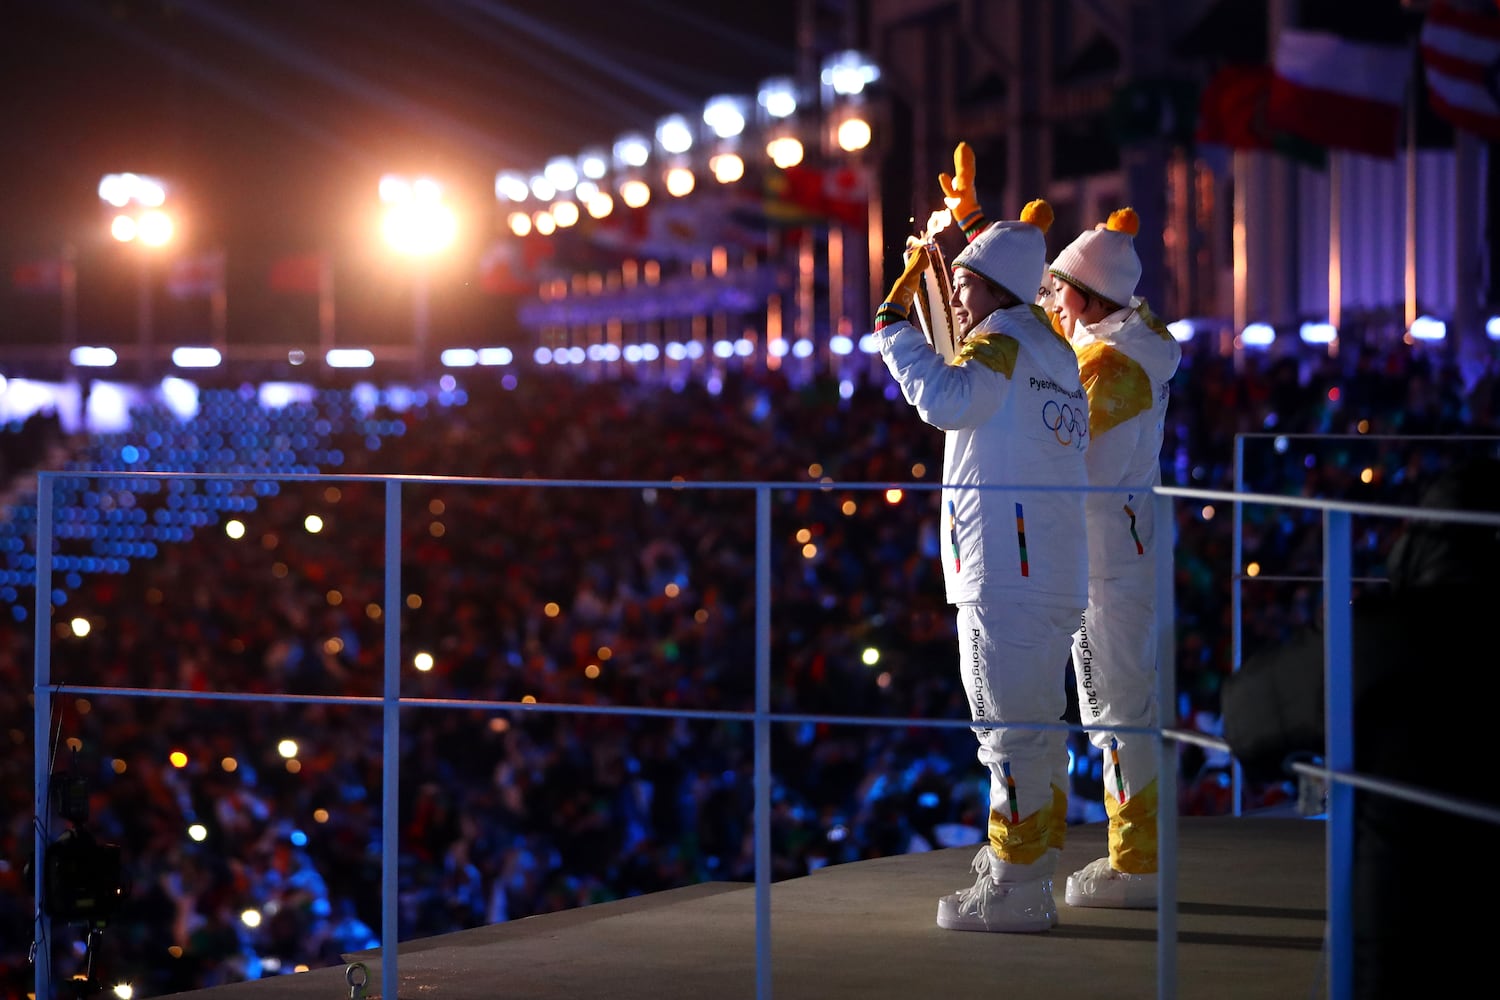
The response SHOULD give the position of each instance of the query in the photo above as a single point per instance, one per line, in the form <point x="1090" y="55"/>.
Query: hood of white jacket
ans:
<point x="1138" y="333"/>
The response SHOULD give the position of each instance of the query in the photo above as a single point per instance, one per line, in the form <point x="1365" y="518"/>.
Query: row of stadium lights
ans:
<point x="419" y="223"/>
<point x="568" y="186"/>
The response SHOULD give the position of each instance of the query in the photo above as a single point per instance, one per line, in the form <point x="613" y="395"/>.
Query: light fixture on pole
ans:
<point x="675" y="138"/>
<point x="777" y="102"/>
<point x="632" y="152"/>
<point x="845" y="79"/>
<point x="419" y="224"/>
<point x="136" y="207"/>
<point x="726" y="117"/>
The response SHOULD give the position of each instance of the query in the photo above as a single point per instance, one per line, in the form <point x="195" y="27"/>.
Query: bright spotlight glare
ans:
<point x="635" y="193"/>
<point x="562" y="173"/>
<point x="520" y="223"/>
<point x="545" y="224"/>
<point x="680" y="182"/>
<point x="727" y="167"/>
<point x="784" y="151"/>
<point x="593" y="164"/>
<point x="155" y="228"/>
<point x="565" y="213"/>
<point x="854" y="135"/>
<point x="633" y="150"/>
<point x="725" y="116"/>
<point x="394" y="189"/>
<point x="674" y="134"/>
<point x="123" y="228"/>
<point x="778" y="97"/>
<point x="511" y="186"/>
<point x="601" y="204"/>
<point x="420" y="228"/>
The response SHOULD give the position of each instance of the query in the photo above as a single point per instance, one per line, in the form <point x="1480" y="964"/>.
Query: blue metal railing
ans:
<point x="1338" y="649"/>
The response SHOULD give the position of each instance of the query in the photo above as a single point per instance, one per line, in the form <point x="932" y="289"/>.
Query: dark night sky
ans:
<point x="274" y="118"/>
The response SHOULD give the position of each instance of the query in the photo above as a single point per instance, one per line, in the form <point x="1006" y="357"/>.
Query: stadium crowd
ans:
<point x="592" y="596"/>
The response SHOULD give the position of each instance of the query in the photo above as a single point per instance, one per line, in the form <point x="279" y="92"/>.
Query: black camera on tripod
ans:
<point x="83" y="881"/>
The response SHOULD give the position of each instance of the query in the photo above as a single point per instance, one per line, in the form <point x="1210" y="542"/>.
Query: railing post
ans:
<point x="390" y="832"/>
<point x="41" y="693"/>
<point x="1237" y="558"/>
<point x="1338" y="721"/>
<point x="762" y="743"/>
<point x="1164" y="537"/>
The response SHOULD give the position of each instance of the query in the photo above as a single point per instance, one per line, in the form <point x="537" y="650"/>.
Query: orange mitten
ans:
<point x="958" y="191"/>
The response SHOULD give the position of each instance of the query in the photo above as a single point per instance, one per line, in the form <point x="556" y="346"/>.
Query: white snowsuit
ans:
<point x="1126" y="361"/>
<point x="1014" y="414"/>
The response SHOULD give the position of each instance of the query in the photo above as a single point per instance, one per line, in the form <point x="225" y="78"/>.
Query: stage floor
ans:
<point x="1251" y="919"/>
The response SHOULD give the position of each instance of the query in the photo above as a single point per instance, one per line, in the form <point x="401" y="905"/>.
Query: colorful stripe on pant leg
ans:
<point x="953" y="533"/>
<point x="1114" y="760"/>
<point x="1140" y="549"/>
<point x="1021" y="540"/>
<point x="1010" y="791"/>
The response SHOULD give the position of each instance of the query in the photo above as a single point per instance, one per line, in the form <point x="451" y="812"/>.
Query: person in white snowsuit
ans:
<point x="1126" y="358"/>
<point x="1014" y="415"/>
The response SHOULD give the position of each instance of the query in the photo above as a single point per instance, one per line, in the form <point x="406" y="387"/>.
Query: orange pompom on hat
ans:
<point x="1012" y="254"/>
<point x="1102" y="261"/>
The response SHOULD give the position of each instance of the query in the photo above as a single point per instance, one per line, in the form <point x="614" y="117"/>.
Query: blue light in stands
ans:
<point x="1428" y="328"/>
<point x="196" y="357"/>
<point x="350" y="357"/>
<point x="1318" y="333"/>
<point x="92" y="357"/>
<point x="1258" y="335"/>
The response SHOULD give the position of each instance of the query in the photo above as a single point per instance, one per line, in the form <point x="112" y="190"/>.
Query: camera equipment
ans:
<point x="83" y="882"/>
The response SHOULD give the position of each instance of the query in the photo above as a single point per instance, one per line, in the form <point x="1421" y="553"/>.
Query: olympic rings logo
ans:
<point x="1068" y="423"/>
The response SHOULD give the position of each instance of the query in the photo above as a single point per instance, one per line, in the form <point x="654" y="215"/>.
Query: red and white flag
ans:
<point x="44" y="275"/>
<point x="1339" y="92"/>
<point x="298" y="273"/>
<point x="195" y="277"/>
<point x="1461" y="60"/>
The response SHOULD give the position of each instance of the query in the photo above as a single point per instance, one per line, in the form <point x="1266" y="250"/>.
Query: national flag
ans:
<point x="297" y="273"/>
<point x="1461" y="62"/>
<point x="1339" y="92"/>
<point x="43" y="275"/>
<point x="195" y="277"/>
<point x="803" y="195"/>
<point x="501" y="270"/>
<point x="1232" y="108"/>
